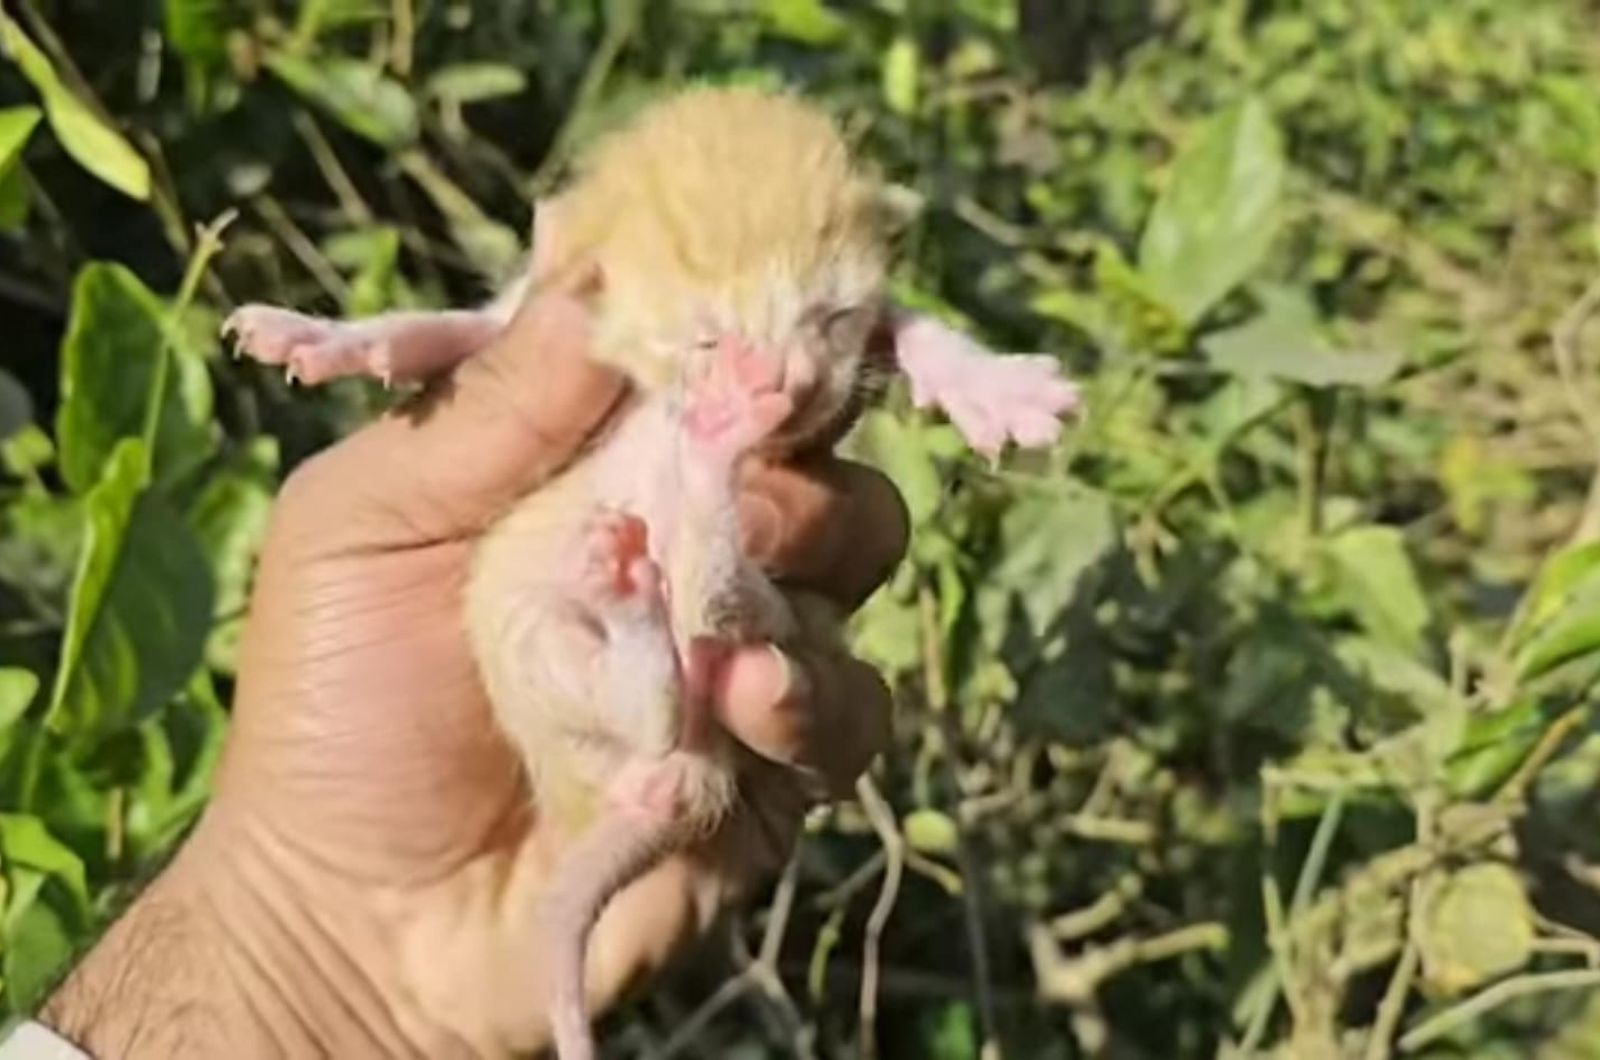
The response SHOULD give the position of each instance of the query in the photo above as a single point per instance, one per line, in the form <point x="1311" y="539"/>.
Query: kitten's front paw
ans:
<point x="310" y="350"/>
<point x="998" y="399"/>
<point x="737" y="405"/>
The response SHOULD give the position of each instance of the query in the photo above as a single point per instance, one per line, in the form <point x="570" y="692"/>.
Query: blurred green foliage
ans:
<point x="1257" y="717"/>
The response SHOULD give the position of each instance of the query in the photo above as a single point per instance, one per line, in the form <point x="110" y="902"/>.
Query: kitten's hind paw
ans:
<point x="311" y="350"/>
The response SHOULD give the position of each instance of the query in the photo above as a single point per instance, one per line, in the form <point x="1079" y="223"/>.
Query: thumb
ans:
<point x="506" y="420"/>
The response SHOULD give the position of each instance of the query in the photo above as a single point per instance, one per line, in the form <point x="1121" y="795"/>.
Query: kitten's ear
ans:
<point x="992" y="398"/>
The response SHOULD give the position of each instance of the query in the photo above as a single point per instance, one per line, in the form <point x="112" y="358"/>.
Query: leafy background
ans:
<point x="1255" y="718"/>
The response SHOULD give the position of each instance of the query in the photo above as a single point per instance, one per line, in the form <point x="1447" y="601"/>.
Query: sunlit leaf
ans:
<point x="17" y="689"/>
<point x="357" y="94"/>
<point x="108" y="365"/>
<point x="36" y="939"/>
<point x="1379" y="584"/>
<point x="95" y="145"/>
<point x="140" y="609"/>
<point x="931" y="831"/>
<point x="901" y="69"/>
<point x="1218" y="214"/>
<point x="1477" y="925"/>
<point x="16" y="125"/>
<point x="24" y="840"/>
<point x="198" y="29"/>
<point x="1283" y="343"/>
<point x="476" y="82"/>
<point x="804" y="20"/>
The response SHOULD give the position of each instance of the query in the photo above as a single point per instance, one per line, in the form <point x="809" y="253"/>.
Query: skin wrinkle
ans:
<point x="314" y="997"/>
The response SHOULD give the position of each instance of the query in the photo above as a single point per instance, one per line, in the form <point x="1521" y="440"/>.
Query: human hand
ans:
<point x="364" y="879"/>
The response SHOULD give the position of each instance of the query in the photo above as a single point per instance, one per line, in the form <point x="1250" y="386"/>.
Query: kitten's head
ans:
<point x="730" y="214"/>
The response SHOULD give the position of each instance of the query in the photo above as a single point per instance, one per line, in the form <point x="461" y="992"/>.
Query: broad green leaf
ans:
<point x="1217" y="216"/>
<point x="140" y="608"/>
<point x="1379" y="585"/>
<point x="899" y="448"/>
<point x="95" y="145"/>
<point x="1048" y="540"/>
<point x="229" y="518"/>
<point x="36" y="941"/>
<point x="476" y="82"/>
<point x="16" y="125"/>
<point x="24" y="840"/>
<point x="1282" y="343"/>
<point x="901" y="69"/>
<point x="1491" y="747"/>
<point x="887" y="634"/>
<point x="1566" y="575"/>
<point x="198" y="29"/>
<point x="16" y="198"/>
<point x="1477" y="925"/>
<point x="108" y="364"/>
<point x="809" y="21"/>
<point x="17" y="689"/>
<point x="930" y="831"/>
<point x="1573" y="633"/>
<point x="357" y="94"/>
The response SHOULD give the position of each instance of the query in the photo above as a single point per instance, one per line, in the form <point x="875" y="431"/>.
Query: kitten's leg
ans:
<point x="634" y="683"/>
<point x="394" y="347"/>
<point x="992" y="399"/>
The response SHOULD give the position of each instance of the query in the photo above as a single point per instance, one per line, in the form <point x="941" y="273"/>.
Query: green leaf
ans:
<point x="37" y="943"/>
<point x="808" y="21"/>
<point x="1048" y="540"/>
<point x="24" y="840"/>
<point x="1565" y="576"/>
<point x="229" y="518"/>
<point x="16" y="198"/>
<point x="1477" y="925"/>
<point x="108" y="364"/>
<point x="900" y="449"/>
<point x="1379" y="585"/>
<point x="95" y="145"/>
<point x="931" y="831"/>
<point x="1217" y="216"/>
<point x="17" y="689"/>
<point x="355" y="93"/>
<point x="476" y="82"/>
<point x="140" y="609"/>
<point x="16" y="125"/>
<point x="198" y="29"/>
<point x="1282" y="343"/>
<point x="1491" y="747"/>
<point x="901" y="69"/>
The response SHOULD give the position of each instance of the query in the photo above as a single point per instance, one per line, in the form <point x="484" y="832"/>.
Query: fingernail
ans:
<point x="794" y="684"/>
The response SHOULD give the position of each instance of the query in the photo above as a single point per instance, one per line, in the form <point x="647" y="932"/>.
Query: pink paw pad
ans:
<point x="309" y="349"/>
<point x="739" y="402"/>
<point x="617" y="570"/>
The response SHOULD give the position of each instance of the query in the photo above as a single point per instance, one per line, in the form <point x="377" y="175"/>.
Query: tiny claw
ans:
<point x="290" y="376"/>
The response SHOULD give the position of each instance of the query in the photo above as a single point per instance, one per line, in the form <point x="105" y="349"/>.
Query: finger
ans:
<point x="825" y="714"/>
<point x="506" y="419"/>
<point x="834" y="526"/>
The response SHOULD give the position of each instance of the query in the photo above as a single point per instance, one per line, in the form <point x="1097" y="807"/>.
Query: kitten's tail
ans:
<point x="619" y="847"/>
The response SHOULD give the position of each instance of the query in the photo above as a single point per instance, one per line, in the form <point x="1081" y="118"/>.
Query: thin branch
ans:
<point x="1393" y="1005"/>
<point x="1450" y="1019"/>
<point x="883" y="822"/>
